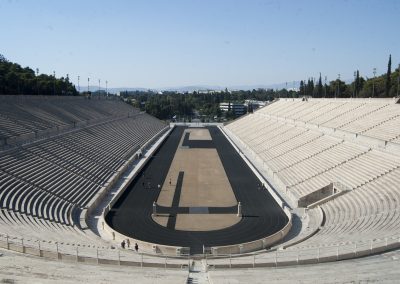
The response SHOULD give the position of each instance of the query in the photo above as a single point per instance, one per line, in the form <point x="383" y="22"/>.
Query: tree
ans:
<point x="15" y="80"/>
<point x="2" y="58"/>
<point x="357" y="83"/>
<point x="319" y="87"/>
<point x="302" y="88"/>
<point x="389" y="71"/>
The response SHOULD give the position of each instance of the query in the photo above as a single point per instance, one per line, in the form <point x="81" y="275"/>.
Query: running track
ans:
<point x="131" y="214"/>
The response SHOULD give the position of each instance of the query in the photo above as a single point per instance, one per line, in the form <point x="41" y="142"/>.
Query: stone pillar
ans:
<point x="154" y="208"/>
<point x="239" y="212"/>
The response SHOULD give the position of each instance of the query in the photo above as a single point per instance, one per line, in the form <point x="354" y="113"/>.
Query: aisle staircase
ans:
<point x="198" y="273"/>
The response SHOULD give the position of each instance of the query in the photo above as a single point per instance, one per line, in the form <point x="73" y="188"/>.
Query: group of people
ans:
<point x="128" y="244"/>
<point x="261" y="186"/>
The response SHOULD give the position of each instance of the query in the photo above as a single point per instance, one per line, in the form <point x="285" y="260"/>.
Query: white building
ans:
<point x="238" y="109"/>
<point x="255" y="104"/>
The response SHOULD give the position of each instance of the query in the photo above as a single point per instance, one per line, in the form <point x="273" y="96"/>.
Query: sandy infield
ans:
<point x="205" y="184"/>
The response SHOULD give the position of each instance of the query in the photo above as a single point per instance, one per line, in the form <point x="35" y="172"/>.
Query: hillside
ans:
<point x="16" y="80"/>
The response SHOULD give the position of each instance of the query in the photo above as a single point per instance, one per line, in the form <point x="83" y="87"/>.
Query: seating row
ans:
<point x="28" y="114"/>
<point x="44" y="182"/>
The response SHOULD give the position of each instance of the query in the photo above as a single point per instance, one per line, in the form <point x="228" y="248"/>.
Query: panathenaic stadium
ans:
<point x="301" y="190"/>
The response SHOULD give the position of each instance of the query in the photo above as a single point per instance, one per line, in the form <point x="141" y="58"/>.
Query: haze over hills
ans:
<point x="192" y="88"/>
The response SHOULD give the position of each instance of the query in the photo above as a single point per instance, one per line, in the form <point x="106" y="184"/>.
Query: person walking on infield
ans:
<point x="128" y="242"/>
<point x="123" y="244"/>
<point x="136" y="247"/>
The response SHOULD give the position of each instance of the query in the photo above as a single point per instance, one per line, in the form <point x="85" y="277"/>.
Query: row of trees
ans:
<point x="15" y="80"/>
<point x="185" y="105"/>
<point x="170" y="104"/>
<point x="385" y="85"/>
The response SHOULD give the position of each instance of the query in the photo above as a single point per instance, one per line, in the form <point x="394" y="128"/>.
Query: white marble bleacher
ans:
<point x="303" y="152"/>
<point x="352" y="173"/>
<point x="28" y="114"/>
<point x="366" y="216"/>
<point x="278" y="141"/>
<point x="396" y="140"/>
<point x="89" y="151"/>
<point x="357" y="112"/>
<point x="319" y="110"/>
<point x="383" y="113"/>
<point x="339" y="109"/>
<point x="44" y="174"/>
<point x="281" y="108"/>
<point x="72" y="161"/>
<point x="311" y="111"/>
<point x="42" y="182"/>
<point x="257" y="123"/>
<point x="368" y="212"/>
<point x="278" y="137"/>
<point x="381" y="268"/>
<point x="374" y="118"/>
<point x="13" y="197"/>
<point x="307" y="110"/>
<point x="319" y="163"/>
<point x="387" y="130"/>
<point x="301" y="138"/>
<point x="8" y="128"/>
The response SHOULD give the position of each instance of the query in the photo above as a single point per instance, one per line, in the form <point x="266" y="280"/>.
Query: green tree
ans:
<point x="319" y="87"/>
<point x="302" y="88"/>
<point x="357" y="83"/>
<point x="15" y="80"/>
<point x="388" y="73"/>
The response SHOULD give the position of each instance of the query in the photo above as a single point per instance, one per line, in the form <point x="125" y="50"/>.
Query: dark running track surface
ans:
<point x="131" y="214"/>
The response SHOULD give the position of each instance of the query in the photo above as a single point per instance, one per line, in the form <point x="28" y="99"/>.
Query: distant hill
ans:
<point x="190" y="89"/>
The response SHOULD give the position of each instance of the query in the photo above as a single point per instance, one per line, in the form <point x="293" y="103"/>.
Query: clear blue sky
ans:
<point x="163" y="43"/>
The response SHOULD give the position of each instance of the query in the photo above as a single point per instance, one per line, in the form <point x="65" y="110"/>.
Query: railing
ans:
<point x="263" y="243"/>
<point x="128" y="257"/>
<point x="196" y="124"/>
<point x="91" y="254"/>
<point x="304" y="256"/>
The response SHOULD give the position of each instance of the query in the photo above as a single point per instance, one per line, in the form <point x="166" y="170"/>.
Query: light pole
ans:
<point x="79" y="88"/>
<point x="294" y="89"/>
<point x="338" y="88"/>
<point x="373" y="83"/>
<point x="398" y="80"/>
<point x="54" y="83"/>
<point x="325" y="85"/>
<point x="88" y="79"/>
<point x="99" y="86"/>
<point x="37" y="80"/>
<point x="66" y="87"/>
<point x="354" y="89"/>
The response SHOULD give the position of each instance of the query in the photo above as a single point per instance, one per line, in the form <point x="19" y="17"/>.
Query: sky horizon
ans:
<point x="163" y="44"/>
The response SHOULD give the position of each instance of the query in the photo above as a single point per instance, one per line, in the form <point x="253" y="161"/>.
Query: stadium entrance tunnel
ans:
<point x="187" y="196"/>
